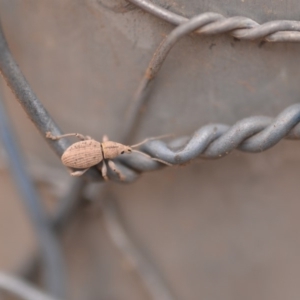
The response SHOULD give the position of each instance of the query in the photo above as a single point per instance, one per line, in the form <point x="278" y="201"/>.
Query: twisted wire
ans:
<point x="141" y="94"/>
<point x="216" y="138"/>
<point x="206" y="23"/>
<point x="239" y="27"/>
<point x="253" y="134"/>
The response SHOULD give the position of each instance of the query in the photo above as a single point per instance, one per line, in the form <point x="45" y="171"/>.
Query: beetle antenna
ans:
<point x="150" y="139"/>
<point x="153" y="158"/>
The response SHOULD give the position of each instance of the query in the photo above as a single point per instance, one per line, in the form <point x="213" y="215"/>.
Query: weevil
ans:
<point x="89" y="152"/>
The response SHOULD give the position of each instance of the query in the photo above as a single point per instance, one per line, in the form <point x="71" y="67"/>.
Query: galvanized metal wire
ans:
<point x="22" y="289"/>
<point x="27" y="98"/>
<point x="131" y="165"/>
<point x="54" y="271"/>
<point x="30" y="103"/>
<point x="159" y="56"/>
<point x="253" y="134"/>
<point x="238" y="26"/>
<point x="209" y="141"/>
<point x="58" y="222"/>
<point x="148" y="272"/>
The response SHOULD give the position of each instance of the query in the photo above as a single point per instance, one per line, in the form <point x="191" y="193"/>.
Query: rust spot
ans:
<point x="149" y="73"/>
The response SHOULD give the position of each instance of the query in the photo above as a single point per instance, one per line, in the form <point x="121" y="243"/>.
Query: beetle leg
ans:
<point x="153" y="158"/>
<point x="49" y="135"/>
<point x="78" y="172"/>
<point x="113" y="166"/>
<point x="104" y="170"/>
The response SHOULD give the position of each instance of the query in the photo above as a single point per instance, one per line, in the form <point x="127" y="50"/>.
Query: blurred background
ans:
<point x="212" y="229"/>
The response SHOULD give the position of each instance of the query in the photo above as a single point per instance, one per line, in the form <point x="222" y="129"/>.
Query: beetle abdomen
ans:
<point x="82" y="155"/>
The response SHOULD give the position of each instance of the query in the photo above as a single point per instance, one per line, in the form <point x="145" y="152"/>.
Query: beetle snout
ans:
<point x="126" y="150"/>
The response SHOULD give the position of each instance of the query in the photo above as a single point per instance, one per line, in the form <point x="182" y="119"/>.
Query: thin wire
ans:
<point x="149" y="274"/>
<point x="68" y="204"/>
<point x="206" y="22"/>
<point x="44" y="123"/>
<point x="21" y="288"/>
<point x="54" y="273"/>
<point x="253" y="134"/>
<point x="31" y="104"/>
<point x="34" y="109"/>
<point x="210" y="22"/>
<point x="240" y="27"/>
<point x="159" y="56"/>
<point x="66" y="208"/>
<point x="155" y="64"/>
<point x="159" y="12"/>
<point x="206" y="138"/>
<point x="25" y="95"/>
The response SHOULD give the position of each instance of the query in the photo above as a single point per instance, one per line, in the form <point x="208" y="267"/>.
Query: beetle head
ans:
<point x="112" y="150"/>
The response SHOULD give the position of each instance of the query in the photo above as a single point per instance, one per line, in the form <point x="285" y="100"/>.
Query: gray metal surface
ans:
<point x="219" y="230"/>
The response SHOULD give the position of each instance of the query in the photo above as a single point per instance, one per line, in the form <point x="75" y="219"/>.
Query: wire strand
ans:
<point x="240" y="27"/>
<point x="149" y="274"/>
<point x="253" y="134"/>
<point x="21" y="288"/>
<point x="27" y="98"/>
<point x="54" y="273"/>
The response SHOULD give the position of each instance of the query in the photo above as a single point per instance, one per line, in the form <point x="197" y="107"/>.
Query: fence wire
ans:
<point x="218" y="134"/>
<point x="54" y="271"/>
<point x="254" y="134"/>
<point x="239" y="27"/>
<point x="149" y="274"/>
<point x="21" y="288"/>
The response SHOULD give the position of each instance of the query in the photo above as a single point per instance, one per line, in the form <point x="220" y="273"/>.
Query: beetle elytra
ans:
<point x="89" y="152"/>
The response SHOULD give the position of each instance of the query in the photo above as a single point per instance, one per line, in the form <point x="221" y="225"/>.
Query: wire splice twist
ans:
<point x="240" y="27"/>
<point x="253" y="134"/>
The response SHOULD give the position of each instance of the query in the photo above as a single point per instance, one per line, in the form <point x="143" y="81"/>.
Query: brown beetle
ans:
<point x="89" y="152"/>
